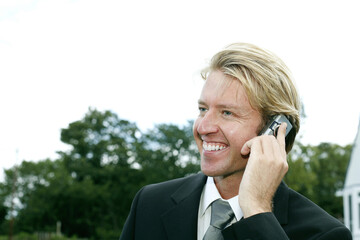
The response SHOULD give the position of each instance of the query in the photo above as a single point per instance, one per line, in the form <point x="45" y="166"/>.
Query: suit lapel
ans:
<point x="181" y="221"/>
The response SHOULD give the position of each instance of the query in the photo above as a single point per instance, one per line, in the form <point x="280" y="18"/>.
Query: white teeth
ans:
<point x="211" y="147"/>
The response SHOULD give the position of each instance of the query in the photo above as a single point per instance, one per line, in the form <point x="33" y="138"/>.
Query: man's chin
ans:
<point x="215" y="173"/>
<point x="210" y="172"/>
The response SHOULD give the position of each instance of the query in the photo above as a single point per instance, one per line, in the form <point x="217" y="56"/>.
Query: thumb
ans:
<point x="245" y="150"/>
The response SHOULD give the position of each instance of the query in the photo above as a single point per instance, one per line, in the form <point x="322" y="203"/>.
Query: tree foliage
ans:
<point x="318" y="172"/>
<point x="89" y="188"/>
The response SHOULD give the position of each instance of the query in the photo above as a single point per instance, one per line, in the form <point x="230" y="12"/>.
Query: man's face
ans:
<point x="226" y="121"/>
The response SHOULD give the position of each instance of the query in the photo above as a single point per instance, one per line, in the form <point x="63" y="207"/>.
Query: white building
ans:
<point x="351" y="191"/>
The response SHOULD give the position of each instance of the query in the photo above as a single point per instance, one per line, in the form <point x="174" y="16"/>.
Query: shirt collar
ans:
<point x="211" y="194"/>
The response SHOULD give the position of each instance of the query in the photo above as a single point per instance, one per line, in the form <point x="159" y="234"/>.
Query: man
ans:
<point x="245" y="86"/>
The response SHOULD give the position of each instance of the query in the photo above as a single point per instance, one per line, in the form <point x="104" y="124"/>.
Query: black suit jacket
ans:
<point x="169" y="210"/>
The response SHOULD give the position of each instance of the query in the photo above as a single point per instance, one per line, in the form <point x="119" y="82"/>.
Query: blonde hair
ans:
<point x="266" y="79"/>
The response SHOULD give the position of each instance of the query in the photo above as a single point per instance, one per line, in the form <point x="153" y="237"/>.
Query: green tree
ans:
<point x="101" y="162"/>
<point x="99" y="140"/>
<point x="89" y="188"/>
<point x="167" y="152"/>
<point x="300" y="176"/>
<point x="329" y="163"/>
<point x="318" y="172"/>
<point x="33" y="194"/>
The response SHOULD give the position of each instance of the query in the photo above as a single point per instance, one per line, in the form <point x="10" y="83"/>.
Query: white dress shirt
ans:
<point x="208" y="195"/>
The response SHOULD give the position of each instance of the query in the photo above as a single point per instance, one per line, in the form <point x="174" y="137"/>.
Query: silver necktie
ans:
<point x="221" y="216"/>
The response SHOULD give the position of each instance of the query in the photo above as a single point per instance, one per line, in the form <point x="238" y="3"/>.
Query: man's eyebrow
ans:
<point x="226" y="106"/>
<point x="201" y="102"/>
<point x="229" y="106"/>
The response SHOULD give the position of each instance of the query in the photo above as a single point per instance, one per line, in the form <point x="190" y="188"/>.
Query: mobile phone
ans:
<point x="271" y="128"/>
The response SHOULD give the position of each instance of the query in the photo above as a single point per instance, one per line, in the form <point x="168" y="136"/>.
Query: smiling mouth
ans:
<point x="214" y="146"/>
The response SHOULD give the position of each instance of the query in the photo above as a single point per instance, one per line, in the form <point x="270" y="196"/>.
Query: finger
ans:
<point x="253" y="146"/>
<point x="281" y="135"/>
<point x="245" y="150"/>
<point x="269" y="144"/>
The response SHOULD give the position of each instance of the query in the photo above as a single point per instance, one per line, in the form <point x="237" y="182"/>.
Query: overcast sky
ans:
<point x="141" y="59"/>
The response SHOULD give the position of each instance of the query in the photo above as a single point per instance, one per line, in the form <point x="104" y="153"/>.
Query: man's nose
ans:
<point x="208" y="123"/>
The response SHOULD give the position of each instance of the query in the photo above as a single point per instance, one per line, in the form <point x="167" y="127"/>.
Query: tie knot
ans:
<point x="221" y="214"/>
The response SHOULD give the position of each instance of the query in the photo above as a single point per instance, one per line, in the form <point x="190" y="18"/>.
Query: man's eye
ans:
<point x="227" y="113"/>
<point x="202" y="109"/>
